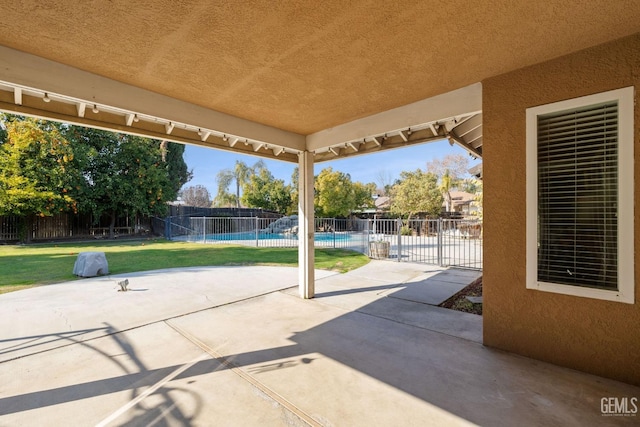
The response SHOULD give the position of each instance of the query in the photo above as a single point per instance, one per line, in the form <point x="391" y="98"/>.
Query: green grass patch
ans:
<point x="40" y="264"/>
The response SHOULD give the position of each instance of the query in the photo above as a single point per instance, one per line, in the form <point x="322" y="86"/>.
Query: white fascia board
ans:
<point x="35" y="72"/>
<point x="465" y="100"/>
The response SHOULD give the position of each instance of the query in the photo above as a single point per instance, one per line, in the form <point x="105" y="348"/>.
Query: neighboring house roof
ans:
<point x="382" y="202"/>
<point x="461" y="196"/>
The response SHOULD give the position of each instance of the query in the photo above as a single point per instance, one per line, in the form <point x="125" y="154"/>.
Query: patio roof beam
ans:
<point x="204" y="135"/>
<point x="17" y="96"/>
<point x="453" y="139"/>
<point x="27" y="80"/>
<point x="392" y="141"/>
<point x="457" y="103"/>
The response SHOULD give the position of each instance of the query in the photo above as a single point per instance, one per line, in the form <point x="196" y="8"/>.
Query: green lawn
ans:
<point x="24" y="266"/>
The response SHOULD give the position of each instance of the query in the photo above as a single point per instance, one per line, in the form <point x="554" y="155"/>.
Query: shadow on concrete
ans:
<point x="462" y="377"/>
<point x="136" y="381"/>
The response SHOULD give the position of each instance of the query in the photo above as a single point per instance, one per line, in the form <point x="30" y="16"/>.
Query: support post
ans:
<point x="399" y="227"/>
<point x="333" y="230"/>
<point x="367" y="238"/>
<point x="440" y="260"/>
<point x="306" y="226"/>
<point x="257" y="232"/>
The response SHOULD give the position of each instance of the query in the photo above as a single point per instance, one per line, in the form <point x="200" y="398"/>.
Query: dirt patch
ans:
<point x="460" y="302"/>
<point x="13" y="288"/>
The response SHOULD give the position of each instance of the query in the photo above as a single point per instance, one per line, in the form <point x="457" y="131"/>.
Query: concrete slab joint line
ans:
<point x="303" y="416"/>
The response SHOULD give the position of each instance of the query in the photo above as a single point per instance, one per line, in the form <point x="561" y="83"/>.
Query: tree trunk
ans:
<point x="447" y="200"/>
<point x="112" y="224"/>
<point x="26" y="228"/>
<point x="237" y="193"/>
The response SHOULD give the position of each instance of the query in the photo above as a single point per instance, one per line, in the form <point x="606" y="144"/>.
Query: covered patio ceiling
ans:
<point x="275" y="79"/>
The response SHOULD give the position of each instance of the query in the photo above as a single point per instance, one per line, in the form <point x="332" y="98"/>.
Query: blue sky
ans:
<point x="207" y="162"/>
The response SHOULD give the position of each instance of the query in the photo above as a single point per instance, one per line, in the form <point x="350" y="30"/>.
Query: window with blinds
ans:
<point x="580" y="196"/>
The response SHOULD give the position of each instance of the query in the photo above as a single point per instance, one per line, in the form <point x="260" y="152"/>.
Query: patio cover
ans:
<point x="302" y="81"/>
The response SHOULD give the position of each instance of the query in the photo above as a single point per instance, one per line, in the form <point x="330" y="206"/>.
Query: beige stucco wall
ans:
<point x="591" y="335"/>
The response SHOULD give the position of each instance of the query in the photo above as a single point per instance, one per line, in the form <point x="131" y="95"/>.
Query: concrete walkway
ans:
<point x="236" y="346"/>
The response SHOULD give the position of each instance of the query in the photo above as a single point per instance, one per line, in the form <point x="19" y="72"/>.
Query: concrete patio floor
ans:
<point x="236" y="346"/>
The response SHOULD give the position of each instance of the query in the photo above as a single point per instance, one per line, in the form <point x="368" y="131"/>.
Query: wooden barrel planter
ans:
<point x="379" y="250"/>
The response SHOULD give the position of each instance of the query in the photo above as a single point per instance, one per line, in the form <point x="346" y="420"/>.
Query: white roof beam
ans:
<point x="455" y="140"/>
<point x="466" y="100"/>
<point x="204" y="135"/>
<point x="17" y="96"/>
<point x="81" y="107"/>
<point x="32" y="71"/>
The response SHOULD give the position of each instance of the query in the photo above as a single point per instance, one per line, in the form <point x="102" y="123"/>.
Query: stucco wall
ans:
<point x="591" y="335"/>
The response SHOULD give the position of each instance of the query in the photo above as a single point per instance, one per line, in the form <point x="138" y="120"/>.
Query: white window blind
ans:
<point x="578" y="196"/>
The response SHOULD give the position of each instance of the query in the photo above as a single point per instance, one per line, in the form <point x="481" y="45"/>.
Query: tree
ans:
<point x="37" y="170"/>
<point x="197" y="195"/>
<point x="450" y="171"/>
<point x="363" y="195"/>
<point x="416" y="192"/>
<point x="384" y="179"/>
<point x="470" y="185"/>
<point x="337" y="196"/>
<point x="240" y="174"/>
<point x="177" y="170"/>
<point x="48" y="168"/>
<point x="446" y="184"/>
<point x="456" y="164"/>
<point x="264" y="191"/>
<point x="293" y="191"/>
<point x="478" y="199"/>
<point x="124" y="174"/>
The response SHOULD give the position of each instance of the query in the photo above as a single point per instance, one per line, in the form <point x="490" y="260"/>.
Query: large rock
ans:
<point x="91" y="264"/>
<point x="284" y="225"/>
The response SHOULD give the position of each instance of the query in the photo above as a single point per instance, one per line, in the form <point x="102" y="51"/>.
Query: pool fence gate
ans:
<point x="443" y="242"/>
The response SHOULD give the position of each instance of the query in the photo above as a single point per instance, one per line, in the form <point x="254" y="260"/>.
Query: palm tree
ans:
<point x="241" y="173"/>
<point x="446" y="183"/>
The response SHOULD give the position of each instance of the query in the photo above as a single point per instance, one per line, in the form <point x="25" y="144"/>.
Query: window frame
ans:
<point x="625" y="236"/>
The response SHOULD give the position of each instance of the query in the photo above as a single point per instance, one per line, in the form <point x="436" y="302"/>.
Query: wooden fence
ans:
<point x="9" y="228"/>
<point x="65" y="226"/>
<point x="70" y="226"/>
